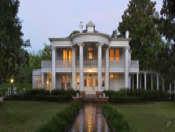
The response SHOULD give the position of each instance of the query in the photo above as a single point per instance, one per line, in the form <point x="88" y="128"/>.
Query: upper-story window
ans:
<point x="90" y="55"/>
<point x="115" y="57"/>
<point x="66" y="56"/>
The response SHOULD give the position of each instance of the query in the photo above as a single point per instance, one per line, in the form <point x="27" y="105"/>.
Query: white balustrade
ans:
<point x="116" y="64"/>
<point x="134" y="64"/>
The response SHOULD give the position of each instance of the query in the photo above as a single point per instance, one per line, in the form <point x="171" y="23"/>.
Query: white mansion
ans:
<point x="88" y="61"/>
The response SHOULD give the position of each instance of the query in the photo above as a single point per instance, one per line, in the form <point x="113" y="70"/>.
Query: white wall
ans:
<point x="117" y="84"/>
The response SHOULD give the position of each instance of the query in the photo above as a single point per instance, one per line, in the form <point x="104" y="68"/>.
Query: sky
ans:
<point x="43" y="19"/>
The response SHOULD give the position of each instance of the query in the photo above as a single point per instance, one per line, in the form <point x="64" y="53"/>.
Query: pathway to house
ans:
<point x="90" y="117"/>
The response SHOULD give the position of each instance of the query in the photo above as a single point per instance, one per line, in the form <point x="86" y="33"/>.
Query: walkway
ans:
<point x="90" y="117"/>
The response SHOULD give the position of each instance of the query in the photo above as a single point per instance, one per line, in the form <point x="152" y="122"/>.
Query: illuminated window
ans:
<point x="68" y="82"/>
<point x="90" y="55"/>
<point x="85" y="82"/>
<point x="90" y="49"/>
<point x="96" y="82"/>
<point x="111" y="76"/>
<point x="117" y="55"/>
<point x="116" y="76"/>
<point x="70" y="57"/>
<point x="111" y="54"/>
<point x="64" y="57"/>
<point x="63" y="78"/>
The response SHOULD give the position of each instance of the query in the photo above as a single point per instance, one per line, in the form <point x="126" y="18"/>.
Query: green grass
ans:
<point x="26" y="116"/>
<point x="149" y="117"/>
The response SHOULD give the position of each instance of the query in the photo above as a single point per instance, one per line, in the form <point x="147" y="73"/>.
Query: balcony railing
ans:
<point x="89" y="63"/>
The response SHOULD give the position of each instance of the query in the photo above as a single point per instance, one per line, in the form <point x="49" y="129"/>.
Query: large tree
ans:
<point x="138" y="20"/>
<point x="167" y="20"/>
<point x="11" y="42"/>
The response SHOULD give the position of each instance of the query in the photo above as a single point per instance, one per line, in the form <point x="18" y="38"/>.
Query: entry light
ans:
<point x="11" y="80"/>
<point x="90" y="69"/>
<point x="47" y="82"/>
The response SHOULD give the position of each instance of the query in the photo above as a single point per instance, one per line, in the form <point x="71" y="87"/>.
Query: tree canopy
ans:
<point x="12" y="45"/>
<point x="138" y="20"/>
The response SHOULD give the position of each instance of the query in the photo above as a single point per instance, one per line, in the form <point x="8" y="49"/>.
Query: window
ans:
<point x="96" y="82"/>
<point x="117" y="55"/>
<point x="63" y="82"/>
<point x="111" y="76"/>
<point x="90" y="49"/>
<point x="70" y="57"/>
<point x="85" y="82"/>
<point x="116" y="76"/>
<point x="90" y="55"/>
<point x="68" y="82"/>
<point x="111" y="54"/>
<point x="64" y="57"/>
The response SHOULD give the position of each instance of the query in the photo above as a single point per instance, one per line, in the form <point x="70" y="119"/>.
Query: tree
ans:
<point x="167" y="20"/>
<point x="11" y="44"/>
<point x="138" y="20"/>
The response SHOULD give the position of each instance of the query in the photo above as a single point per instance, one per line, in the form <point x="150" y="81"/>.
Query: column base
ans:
<point x="98" y="93"/>
<point x="82" y="93"/>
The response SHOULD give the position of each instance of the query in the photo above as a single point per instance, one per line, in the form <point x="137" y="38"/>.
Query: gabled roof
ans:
<point x="90" y="24"/>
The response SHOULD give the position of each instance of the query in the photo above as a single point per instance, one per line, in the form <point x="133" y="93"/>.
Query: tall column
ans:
<point x="145" y="81"/>
<point x="163" y="86"/>
<point x="132" y="81"/>
<point x="126" y="66"/>
<point x="157" y="82"/>
<point x="81" y="66"/>
<point x="73" y="68"/>
<point x="151" y="82"/>
<point x="99" y="65"/>
<point x="42" y="81"/>
<point x="53" y="67"/>
<point x="140" y="81"/>
<point x="107" y="69"/>
<point x="137" y="80"/>
<point x="129" y="83"/>
<point x="170" y="89"/>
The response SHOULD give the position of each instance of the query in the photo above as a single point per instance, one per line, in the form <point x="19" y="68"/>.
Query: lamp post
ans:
<point x="12" y="83"/>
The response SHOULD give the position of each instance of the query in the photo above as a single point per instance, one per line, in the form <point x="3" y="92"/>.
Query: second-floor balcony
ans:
<point x="89" y="63"/>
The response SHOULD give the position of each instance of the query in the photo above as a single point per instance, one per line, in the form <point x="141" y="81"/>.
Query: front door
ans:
<point x="90" y="89"/>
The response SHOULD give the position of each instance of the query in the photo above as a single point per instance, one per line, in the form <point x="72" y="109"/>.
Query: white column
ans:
<point x="132" y="81"/>
<point x="151" y="82"/>
<point x="157" y="82"/>
<point x="81" y="88"/>
<point x="174" y="85"/>
<point x="42" y="81"/>
<point x="129" y="82"/>
<point x="170" y="88"/>
<point x="73" y="68"/>
<point x="99" y="65"/>
<point x="53" y="68"/>
<point x="145" y="81"/>
<point x="163" y="87"/>
<point x="140" y="81"/>
<point x="137" y="80"/>
<point x="107" y="69"/>
<point x="126" y="66"/>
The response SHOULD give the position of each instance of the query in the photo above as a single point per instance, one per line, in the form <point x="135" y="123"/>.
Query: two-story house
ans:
<point x="89" y="61"/>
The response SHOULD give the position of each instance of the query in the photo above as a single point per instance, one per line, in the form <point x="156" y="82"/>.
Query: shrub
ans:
<point x="58" y="92"/>
<point x="116" y="119"/>
<point x="61" y="120"/>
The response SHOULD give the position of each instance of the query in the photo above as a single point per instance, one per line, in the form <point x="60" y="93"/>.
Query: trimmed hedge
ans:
<point x="60" y="122"/>
<point x="116" y="99"/>
<point x="116" y="119"/>
<point x="42" y="95"/>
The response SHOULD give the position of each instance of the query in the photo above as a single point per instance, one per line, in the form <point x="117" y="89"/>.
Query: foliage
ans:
<point x="138" y="20"/>
<point x="12" y="45"/>
<point x="42" y="95"/>
<point x="167" y="20"/>
<point x="61" y="120"/>
<point x="116" y="119"/>
<point x="19" y="86"/>
<point x="74" y="32"/>
<point x="116" y="99"/>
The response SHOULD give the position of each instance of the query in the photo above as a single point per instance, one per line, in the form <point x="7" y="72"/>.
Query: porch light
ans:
<point x="90" y="69"/>
<point x="47" y="82"/>
<point x="11" y="80"/>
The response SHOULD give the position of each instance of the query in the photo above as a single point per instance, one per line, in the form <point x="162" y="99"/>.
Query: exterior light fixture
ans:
<point x="47" y="82"/>
<point x="90" y="69"/>
<point x="11" y="80"/>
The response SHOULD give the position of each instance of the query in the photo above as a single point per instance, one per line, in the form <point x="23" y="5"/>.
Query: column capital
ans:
<point x="99" y="44"/>
<point x="81" y="44"/>
<point x="127" y="47"/>
<point x="53" y="47"/>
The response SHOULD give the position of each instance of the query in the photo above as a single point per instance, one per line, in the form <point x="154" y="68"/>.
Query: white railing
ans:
<point x="134" y="64"/>
<point x="90" y="63"/>
<point x="46" y="64"/>
<point x="63" y="64"/>
<point x="117" y="64"/>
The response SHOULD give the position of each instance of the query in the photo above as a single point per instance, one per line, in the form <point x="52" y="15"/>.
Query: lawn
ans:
<point x="155" y="117"/>
<point x="26" y="116"/>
